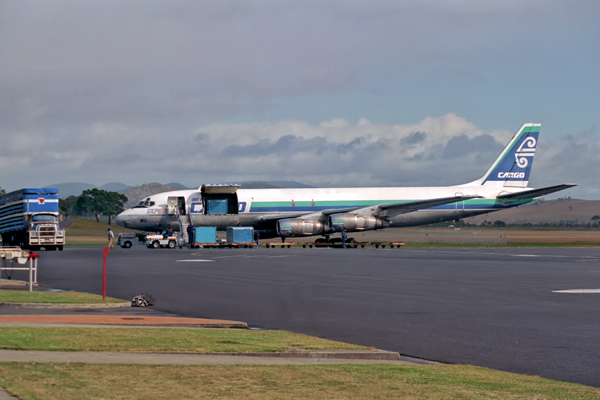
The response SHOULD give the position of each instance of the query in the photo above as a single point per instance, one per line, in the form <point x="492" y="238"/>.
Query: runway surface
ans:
<point x="486" y="307"/>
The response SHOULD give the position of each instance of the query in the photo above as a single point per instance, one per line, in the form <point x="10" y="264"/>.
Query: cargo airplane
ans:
<point x="308" y="212"/>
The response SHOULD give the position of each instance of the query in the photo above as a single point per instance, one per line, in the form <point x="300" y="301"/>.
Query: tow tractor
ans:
<point x="158" y="241"/>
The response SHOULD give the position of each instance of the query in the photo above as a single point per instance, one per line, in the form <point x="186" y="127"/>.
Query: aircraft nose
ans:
<point x="121" y="220"/>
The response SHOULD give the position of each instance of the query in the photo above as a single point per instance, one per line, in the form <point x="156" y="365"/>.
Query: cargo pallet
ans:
<point x="222" y="245"/>
<point x="350" y="245"/>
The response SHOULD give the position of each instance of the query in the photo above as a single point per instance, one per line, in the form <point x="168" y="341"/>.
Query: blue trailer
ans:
<point x="29" y="219"/>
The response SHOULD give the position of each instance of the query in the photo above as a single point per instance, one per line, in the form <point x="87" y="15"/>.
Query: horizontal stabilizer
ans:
<point x="533" y="193"/>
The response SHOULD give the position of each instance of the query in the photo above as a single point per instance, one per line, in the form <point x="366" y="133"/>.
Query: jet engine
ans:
<point x="356" y="222"/>
<point x="298" y="227"/>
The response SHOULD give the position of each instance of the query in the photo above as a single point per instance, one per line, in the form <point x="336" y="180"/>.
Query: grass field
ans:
<point x="87" y="227"/>
<point x="25" y="296"/>
<point x="85" y="232"/>
<point x="553" y="236"/>
<point x="73" y="381"/>
<point x="161" y="339"/>
<point x="91" y="233"/>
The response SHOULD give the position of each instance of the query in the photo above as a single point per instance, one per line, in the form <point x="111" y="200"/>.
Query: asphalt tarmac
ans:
<point x="488" y="307"/>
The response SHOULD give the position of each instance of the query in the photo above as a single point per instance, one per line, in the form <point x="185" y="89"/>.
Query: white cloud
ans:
<point x="440" y="150"/>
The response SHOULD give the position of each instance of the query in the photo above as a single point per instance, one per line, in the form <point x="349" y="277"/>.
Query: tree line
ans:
<point x="96" y="202"/>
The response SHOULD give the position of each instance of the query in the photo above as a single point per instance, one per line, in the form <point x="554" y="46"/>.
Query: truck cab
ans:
<point x="44" y="231"/>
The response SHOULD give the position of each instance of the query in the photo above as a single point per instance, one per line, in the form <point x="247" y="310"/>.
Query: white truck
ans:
<point x="158" y="241"/>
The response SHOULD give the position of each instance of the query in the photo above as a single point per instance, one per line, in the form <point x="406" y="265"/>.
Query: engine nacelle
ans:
<point x="298" y="227"/>
<point x="355" y="222"/>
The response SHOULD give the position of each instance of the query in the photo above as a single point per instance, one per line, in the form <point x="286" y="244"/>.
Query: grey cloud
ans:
<point x="414" y="138"/>
<point x="202" y="60"/>
<point x="125" y="160"/>
<point x="460" y="146"/>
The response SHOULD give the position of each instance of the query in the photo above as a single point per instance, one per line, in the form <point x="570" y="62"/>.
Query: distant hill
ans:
<point x="178" y="186"/>
<point x="114" y="187"/>
<point x="258" y="185"/>
<point x="273" y="185"/>
<point x="289" y="184"/>
<point x="76" y="188"/>
<point x="137" y="193"/>
<point x="551" y="211"/>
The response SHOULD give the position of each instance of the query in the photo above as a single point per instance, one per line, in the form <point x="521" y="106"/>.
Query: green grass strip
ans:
<point x="25" y="296"/>
<point x="70" y="381"/>
<point x="161" y="339"/>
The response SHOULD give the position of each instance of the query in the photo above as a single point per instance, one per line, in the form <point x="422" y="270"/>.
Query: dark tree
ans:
<point x="68" y="207"/>
<point x="100" y="202"/>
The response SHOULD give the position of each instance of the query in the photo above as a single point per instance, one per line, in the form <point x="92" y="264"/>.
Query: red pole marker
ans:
<point x="105" y="252"/>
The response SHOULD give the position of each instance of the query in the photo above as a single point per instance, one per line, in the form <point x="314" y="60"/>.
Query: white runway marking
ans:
<point x="526" y="255"/>
<point x="198" y="260"/>
<point x="577" y="291"/>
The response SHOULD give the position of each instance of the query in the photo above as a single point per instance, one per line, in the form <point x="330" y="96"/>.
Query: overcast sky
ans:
<point x="328" y="93"/>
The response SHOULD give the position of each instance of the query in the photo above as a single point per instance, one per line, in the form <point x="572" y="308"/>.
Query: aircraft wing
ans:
<point x="533" y="193"/>
<point x="394" y="209"/>
<point x="381" y="210"/>
<point x="275" y="217"/>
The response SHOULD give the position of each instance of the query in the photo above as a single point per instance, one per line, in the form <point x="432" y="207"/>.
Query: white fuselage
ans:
<point x="255" y="204"/>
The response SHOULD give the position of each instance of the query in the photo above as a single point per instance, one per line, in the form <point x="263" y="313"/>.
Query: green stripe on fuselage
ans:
<point x="366" y="203"/>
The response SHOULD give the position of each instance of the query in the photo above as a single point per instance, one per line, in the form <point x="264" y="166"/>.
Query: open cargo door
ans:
<point x="219" y="199"/>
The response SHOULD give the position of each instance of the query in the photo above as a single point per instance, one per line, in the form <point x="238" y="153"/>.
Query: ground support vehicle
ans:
<point x="126" y="239"/>
<point x="29" y="219"/>
<point x="158" y="241"/>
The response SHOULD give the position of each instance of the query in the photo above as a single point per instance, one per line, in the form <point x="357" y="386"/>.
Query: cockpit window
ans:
<point x="145" y="203"/>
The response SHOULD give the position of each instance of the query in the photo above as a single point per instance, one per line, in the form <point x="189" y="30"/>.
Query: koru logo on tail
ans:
<point x="527" y="149"/>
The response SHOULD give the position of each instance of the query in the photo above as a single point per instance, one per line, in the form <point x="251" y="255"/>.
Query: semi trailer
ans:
<point x="29" y="219"/>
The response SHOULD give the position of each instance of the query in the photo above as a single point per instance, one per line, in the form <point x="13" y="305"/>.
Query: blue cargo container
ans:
<point x="238" y="234"/>
<point x="216" y="206"/>
<point x="205" y="234"/>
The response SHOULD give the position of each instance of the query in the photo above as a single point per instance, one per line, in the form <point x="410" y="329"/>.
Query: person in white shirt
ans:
<point x="111" y="237"/>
